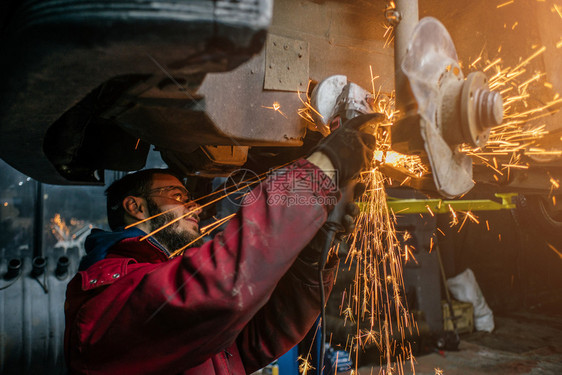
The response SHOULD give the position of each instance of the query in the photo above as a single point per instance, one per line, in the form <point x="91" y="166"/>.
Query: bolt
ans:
<point x="393" y="16"/>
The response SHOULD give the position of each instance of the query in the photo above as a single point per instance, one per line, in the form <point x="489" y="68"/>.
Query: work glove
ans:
<point x="351" y="211"/>
<point x="349" y="149"/>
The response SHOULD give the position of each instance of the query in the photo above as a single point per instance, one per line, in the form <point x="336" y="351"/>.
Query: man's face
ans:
<point x="167" y="194"/>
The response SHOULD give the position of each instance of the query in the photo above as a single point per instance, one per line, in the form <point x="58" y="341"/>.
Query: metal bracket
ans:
<point x="286" y="64"/>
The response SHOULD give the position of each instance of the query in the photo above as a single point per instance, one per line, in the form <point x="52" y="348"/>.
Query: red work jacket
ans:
<point x="230" y="306"/>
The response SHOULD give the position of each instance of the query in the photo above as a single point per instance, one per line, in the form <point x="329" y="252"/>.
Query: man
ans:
<point x="229" y="306"/>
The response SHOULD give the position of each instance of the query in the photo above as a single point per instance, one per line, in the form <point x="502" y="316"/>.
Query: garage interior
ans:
<point x="226" y="85"/>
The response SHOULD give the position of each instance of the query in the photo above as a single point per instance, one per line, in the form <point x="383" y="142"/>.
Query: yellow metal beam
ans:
<point x="440" y="206"/>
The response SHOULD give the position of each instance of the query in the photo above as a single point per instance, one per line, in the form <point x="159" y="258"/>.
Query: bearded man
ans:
<point x="228" y="306"/>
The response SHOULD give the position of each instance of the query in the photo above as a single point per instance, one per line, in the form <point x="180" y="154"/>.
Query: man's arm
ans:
<point x="288" y="315"/>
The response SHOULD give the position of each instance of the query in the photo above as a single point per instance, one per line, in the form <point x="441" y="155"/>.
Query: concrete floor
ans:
<point x="523" y="342"/>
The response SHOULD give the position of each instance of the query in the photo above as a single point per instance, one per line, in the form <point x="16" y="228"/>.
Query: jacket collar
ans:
<point x="99" y="242"/>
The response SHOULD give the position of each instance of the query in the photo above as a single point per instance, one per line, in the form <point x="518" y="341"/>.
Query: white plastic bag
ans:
<point x="465" y="289"/>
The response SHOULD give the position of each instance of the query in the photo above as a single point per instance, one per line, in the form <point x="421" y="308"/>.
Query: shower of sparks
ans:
<point x="410" y="164"/>
<point x="377" y="294"/>
<point x="277" y="108"/>
<point x="521" y="131"/>
<point x="376" y="299"/>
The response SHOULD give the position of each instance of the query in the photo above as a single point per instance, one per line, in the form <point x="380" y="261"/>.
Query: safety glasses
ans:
<point x="175" y="192"/>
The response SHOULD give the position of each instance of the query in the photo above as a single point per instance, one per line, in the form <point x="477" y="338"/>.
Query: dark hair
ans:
<point x="137" y="184"/>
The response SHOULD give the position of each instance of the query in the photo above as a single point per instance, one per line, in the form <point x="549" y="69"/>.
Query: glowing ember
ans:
<point x="304" y="365"/>
<point x="276" y="107"/>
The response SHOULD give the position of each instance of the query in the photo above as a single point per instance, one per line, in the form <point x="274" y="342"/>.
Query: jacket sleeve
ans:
<point x="288" y="315"/>
<point x="185" y="310"/>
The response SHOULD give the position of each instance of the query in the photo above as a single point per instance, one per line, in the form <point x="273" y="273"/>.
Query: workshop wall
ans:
<point x="515" y="265"/>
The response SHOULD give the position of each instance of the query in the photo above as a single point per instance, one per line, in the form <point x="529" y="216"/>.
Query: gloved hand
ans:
<point x="349" y="149"/>
<point x="351" y="211"/>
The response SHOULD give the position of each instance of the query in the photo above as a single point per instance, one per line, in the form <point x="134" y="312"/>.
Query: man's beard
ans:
<point x="170" y="236"/>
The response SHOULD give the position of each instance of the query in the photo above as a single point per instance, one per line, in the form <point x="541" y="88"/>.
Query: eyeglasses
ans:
<point x="177" y="193"/>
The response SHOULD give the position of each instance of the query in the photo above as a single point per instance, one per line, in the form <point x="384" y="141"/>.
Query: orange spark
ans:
<point x="430" y="244"/>
<point x="429" y="209"/>
<point x="277" y="108"/>
<point x="473" y="64"/>
<point x="472" y="217"/>
<point x="490" y="65"/>
<point x="506" y="3"/>
<point x="528" y="59"/>
<point x="555" y="250"/>
<point x="557" y="8"/>
<point x="455" y="219"/>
